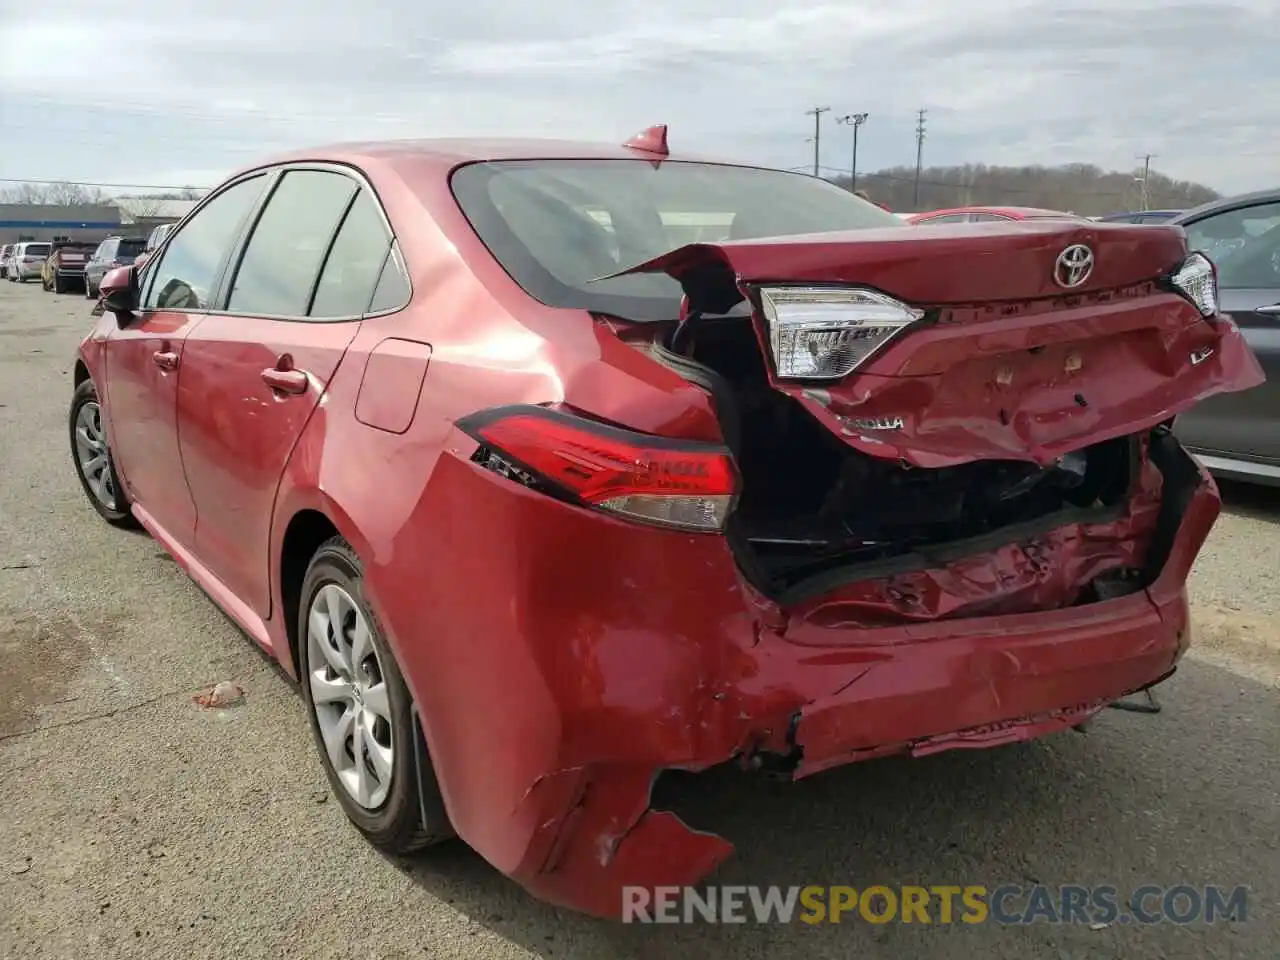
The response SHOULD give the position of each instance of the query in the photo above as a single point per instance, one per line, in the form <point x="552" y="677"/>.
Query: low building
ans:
<point x="46" y="222"/>
<point x="143" y="214"/>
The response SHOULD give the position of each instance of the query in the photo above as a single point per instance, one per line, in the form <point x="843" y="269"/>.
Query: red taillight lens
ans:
<point x="670" y="482"/>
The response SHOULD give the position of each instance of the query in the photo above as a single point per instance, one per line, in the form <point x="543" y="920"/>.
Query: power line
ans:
<point x="95" y="183"/>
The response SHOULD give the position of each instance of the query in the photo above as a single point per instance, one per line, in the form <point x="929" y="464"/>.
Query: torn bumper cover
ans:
<point x="642" y="650"/>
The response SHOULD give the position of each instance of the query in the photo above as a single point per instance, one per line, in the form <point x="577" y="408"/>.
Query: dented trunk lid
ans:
<point x="1006" y="363"/>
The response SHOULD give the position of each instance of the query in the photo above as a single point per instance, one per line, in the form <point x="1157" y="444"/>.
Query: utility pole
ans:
<point x="1146" y="159"/>
<point x="855" y="120"/>
<point x="915" y="195"/>
<point x="817" y="113"/>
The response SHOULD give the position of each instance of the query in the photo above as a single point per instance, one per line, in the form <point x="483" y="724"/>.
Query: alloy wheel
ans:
<point x="349" y="696"/>
<point x="92" y="457"/>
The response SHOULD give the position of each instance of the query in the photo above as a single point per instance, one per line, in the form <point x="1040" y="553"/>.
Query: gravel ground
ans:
<point x="136" y="824"/>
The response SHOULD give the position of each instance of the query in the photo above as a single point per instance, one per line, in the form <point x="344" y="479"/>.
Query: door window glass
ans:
<point x="278" y="270"/>
<point x="185" y="276"/>
<point x="1244" y="244"/>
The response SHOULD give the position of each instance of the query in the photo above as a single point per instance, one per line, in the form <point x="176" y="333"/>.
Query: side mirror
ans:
<point x="119" y="291"/>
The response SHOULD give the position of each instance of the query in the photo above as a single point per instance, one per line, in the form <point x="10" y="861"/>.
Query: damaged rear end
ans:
<point x="904" y="404"/>
<point x="948" y="512"/>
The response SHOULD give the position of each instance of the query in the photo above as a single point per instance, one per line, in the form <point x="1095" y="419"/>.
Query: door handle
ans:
<point x="165" y="359"/>
<point x="285" y="381"/>
<point x="1273" y="310"/>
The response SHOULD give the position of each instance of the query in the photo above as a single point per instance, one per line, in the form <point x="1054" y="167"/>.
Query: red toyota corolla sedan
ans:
<point x="536" y="507"/>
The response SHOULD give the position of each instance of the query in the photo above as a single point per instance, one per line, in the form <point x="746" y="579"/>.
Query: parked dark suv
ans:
<point x="111" y="253"/>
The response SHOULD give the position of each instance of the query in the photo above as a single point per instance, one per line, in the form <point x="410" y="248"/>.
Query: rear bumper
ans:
<point x="562" y="660"/>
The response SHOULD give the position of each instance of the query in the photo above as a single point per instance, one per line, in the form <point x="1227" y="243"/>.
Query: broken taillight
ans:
<point x="1197" y="280"/>
<point x="825" y="333"/>
<point x="672" y="483"/>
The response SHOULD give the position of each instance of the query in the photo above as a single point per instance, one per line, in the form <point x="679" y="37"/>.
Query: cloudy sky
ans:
<point x="183" y="91"/>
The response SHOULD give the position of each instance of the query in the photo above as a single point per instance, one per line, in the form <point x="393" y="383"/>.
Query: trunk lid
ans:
<point x="1007" y="362"/>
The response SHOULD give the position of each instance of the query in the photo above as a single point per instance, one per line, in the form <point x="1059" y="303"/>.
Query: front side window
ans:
<point x="1244" y="244"/>
<point x="557" y="226"/>
<point x="278" y="270"/>
<point x="187" y="272"/>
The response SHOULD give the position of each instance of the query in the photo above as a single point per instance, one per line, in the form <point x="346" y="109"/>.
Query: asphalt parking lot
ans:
<point x="135" y="823"/>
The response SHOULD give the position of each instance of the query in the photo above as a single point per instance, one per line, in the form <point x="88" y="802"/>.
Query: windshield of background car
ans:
<point x="36" y="250"/>
<point x="130" y="248"/>
<point x="557" y="225"/>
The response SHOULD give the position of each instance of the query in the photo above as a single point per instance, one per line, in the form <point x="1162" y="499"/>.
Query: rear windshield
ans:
<point x="556" y="225"/>
<point x="36" y="250"/>
<point x="130" y="248"/>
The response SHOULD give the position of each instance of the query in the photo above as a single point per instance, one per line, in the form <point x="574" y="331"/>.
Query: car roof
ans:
<point x="1228" y="203"/>
<point x="445" y="153"/>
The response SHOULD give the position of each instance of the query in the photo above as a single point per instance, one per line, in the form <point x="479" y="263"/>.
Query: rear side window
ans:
<point x="278" y="270"/>
<point x="947" y="218"/>
<point x="187" y="272"/>
<point x="355" y="261"/>
<point x="393" y="286"/>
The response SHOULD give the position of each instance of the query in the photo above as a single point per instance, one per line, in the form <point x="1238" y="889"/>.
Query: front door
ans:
<point x="254" y="371"/>
<point x="144" y="361"/>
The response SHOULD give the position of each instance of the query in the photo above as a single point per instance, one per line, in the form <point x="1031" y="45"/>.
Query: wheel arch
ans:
<point x="307" y="529"/>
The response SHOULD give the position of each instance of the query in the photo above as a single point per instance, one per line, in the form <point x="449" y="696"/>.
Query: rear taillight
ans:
<point x="672" y="483"/>
<point x="825" y="333"/>
<point x="1197" y="280"/>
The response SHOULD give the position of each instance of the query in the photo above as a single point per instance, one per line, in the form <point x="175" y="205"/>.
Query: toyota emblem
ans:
<point x="1073" y="266"/>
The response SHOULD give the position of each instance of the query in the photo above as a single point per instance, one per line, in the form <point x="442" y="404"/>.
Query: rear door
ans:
<point x="1244" y="243"/>
<point x="254" y="371"/>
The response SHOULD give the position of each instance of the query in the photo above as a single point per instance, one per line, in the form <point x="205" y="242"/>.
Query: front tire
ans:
<point x="360" y="708"/>
<point x="91" y="455"/>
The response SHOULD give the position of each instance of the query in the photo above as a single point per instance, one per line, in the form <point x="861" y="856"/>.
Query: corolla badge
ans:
<point x="1073" y="266"/>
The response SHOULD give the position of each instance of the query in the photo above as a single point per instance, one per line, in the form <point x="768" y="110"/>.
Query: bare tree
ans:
<point x="59" y="193"/>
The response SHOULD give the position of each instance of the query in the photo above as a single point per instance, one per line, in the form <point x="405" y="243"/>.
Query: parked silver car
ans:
<point x="26" y="261"/>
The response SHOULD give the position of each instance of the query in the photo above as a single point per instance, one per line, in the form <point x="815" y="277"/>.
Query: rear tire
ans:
<point x="99" y="480"/>
<point x="343" y="659"/>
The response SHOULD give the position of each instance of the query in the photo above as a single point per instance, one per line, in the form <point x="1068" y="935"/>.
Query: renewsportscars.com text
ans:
<point x="1007" y="904"/>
